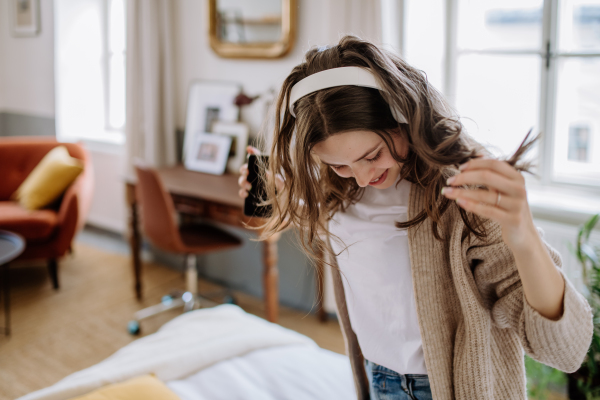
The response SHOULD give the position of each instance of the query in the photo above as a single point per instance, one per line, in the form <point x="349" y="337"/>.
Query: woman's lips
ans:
<point x="381" y="179"/>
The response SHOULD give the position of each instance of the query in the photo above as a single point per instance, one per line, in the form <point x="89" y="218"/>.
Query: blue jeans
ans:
<point x="390" y="385"/>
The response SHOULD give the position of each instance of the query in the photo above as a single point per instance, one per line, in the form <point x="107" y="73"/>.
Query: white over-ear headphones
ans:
<point x="356" y="76"/>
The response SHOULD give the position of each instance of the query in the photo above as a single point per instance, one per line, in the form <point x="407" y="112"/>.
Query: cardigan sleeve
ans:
<point x="561" y="343"/>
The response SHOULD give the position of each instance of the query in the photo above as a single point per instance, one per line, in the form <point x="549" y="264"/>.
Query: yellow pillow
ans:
<point x="145" y="387"/>
<point x="49" y="179"/>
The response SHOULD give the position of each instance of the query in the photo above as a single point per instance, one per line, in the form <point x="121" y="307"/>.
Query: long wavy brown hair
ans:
<point x="312" y="192"/>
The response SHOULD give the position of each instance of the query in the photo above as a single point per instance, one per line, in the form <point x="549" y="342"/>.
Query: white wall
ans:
<point x="27" y="71"/>
<point x="319" y="23"/>
<point x="108" y="210"/>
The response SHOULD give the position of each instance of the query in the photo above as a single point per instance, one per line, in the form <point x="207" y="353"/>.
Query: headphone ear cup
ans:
<point x="398" y="116"/>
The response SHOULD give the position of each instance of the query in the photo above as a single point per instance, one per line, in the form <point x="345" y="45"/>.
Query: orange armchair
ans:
<point x="48" y="232"/>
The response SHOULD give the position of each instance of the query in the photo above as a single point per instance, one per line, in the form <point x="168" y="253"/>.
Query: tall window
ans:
<point x="114" y="65"/>
<point x="90" y="69"/>
<point x="509" y="65"/>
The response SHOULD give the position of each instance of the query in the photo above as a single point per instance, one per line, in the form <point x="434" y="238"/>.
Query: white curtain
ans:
<point x="358" y="17"/>
<point x="364" y="19"/>
<point x="150" y="126"/>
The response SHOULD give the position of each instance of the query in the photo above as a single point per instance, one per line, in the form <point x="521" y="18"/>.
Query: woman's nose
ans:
<point x="362" y="176"/>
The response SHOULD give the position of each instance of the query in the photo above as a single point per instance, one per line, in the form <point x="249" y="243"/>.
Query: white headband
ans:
<point x="355" y="76"/>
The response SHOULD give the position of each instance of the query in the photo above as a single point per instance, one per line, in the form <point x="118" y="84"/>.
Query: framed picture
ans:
<point x="209" y="101"/>
<point x="239" y="140"/>
<point x="25" y="17"/>
<point x="208" y="153"/>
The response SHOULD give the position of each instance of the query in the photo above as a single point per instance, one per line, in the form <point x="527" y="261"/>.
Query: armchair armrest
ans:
<point x="75" y="205"/>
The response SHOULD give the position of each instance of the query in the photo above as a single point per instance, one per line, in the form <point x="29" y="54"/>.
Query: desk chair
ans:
<point x="158" y="221"/>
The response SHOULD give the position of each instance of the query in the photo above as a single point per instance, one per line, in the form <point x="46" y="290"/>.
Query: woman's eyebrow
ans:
<point x="364" y="155"/>
<point x="368" y="152"/>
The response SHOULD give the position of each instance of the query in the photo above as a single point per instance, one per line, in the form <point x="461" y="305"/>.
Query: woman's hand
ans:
<point x="245" y="186"/>
<point x="505" y="202"/>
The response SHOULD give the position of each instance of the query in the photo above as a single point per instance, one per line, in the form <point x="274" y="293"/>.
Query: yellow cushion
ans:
<point x="49" y="179"/>
<point x="145" y="387"/>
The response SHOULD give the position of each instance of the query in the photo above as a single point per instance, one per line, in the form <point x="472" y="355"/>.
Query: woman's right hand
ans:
<point x="243" y="180"/>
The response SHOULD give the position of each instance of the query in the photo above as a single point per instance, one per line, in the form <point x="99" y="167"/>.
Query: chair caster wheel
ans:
<point x="229" y="300"/>
<point x="133" y="327"/>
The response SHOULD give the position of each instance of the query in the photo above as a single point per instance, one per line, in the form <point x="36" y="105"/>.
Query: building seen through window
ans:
<point x="517" y="64"/>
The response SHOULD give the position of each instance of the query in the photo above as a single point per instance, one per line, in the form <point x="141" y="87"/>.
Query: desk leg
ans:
<point x="134" y="240"/>
<point x="271" y="278"/>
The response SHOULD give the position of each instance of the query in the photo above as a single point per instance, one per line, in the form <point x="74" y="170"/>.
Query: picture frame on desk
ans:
<point x="239" y="140"/>
<point x="208" y="153"/>
<point x="208" y="102"/>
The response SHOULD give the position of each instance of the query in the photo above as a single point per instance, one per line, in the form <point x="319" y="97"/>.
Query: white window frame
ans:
<point x="548" y="197"/>
<point x="106" y="56"/>
<point x="106" y="63"/>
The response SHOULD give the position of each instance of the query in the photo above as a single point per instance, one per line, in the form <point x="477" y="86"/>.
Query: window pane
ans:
<point x="577" y="121"/>
<point x="498" y="98"/>
<point x="500" y="24"/>
<point x="117" y="26"/>
<point x="579" y="25"/>
<point x="116" y="118"/>
<point x="79" y="72"/>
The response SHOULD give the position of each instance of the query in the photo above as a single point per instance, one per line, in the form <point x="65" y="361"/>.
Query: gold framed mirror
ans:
<point x="252" y="28"/>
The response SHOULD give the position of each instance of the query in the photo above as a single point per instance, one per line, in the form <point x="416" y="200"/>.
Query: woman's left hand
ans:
<point x="505" y="202"/>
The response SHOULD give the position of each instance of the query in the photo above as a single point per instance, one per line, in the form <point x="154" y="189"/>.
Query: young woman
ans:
<point x="441" y="279"/>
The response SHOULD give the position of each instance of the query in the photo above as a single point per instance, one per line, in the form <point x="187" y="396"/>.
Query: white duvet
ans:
<point x="220" y="353"/>
<point x="278" y="373"/>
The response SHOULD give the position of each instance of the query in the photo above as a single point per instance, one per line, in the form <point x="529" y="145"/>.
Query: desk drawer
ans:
<point x="206" y="209"/>
<point x="223" y="213"/>
<point x="189" y="205"/>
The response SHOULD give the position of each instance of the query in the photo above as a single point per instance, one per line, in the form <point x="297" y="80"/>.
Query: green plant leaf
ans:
<point x="589" y="225"/>
<point x="590" y="253"/>
<point x="589" y="257"/>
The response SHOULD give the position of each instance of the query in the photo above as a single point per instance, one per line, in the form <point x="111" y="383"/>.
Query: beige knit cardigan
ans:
<point x="474" y="320"/>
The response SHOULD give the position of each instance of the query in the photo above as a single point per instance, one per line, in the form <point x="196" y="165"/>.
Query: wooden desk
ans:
<point x="213" y="197"/>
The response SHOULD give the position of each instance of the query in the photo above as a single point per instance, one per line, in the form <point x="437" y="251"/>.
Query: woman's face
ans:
<point x="362" y="155"/>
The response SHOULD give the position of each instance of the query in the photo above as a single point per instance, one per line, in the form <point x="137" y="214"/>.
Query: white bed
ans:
<point x="216" y="354"/>
<point x="287" y="372"/>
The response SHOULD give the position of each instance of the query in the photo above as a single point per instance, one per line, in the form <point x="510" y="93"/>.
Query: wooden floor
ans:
<point x="55" y="333"/>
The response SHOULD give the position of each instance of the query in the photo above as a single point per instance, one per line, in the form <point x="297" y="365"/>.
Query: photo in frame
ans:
<point x="208" y="102"/>
<point x="25" y="17"/>
<point x="239" y="140"/>
<point x="208" y="153"/>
